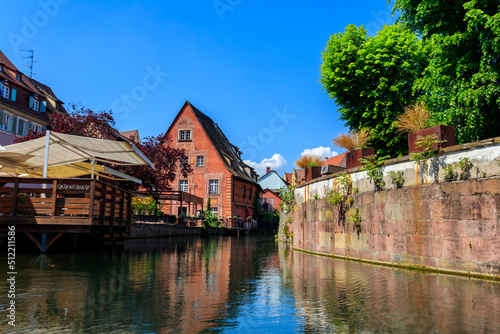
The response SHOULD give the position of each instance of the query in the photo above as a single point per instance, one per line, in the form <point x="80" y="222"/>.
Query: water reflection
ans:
<point x="346" y="297"/>
<point x="238" y="285"/>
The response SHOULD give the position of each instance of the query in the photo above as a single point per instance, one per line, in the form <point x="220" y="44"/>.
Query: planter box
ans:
<point x="352" y="158"/>
<point x="442" y="132"/>
<point x="313" y="173"/>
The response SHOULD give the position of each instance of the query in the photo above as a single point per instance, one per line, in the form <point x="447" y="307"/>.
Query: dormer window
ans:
<point x="34" y="103"/>
<point x="18" y="76"/>
<point x="5" y="90"/>
<point x="1" y="68"/>
<point x="184" y="135"/>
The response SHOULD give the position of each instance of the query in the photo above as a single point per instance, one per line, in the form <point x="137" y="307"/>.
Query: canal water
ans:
<point x="237" y="285"/>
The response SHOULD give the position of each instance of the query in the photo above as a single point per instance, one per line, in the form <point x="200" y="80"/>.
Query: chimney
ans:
<point x="268" y="169"/>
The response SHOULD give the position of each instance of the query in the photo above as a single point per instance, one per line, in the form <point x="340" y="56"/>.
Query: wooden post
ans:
<point x="122" y="201"/>
<point x="14" y="198"/>
<point x="129" y="208"/>
<point x="104" y="200"/>
<point x="113" y="206"/>
<point x="54" y="201"/>
<point x="91" y="201"/>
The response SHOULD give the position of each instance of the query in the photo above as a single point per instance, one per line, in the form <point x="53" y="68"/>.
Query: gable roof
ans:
<point x="229" y="153"/>
<point x="288" y="177"/>
<point x="9" y="73"/>
<point x="338" y="160"/>
<point x="6" y="61"/>
<point x="270" y="174"/>
<point x="132" y="135"/>
<point x="47" y="91"/>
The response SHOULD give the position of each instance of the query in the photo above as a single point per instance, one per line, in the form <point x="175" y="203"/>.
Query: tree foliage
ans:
<point x="168" y="161"/>
<point x="461" y="83"/>
<point x="371" y="78"/>
<point x="79" y="121"/>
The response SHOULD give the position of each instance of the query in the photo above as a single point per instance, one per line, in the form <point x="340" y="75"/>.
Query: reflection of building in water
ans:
<point x="345" y="296"/>
<point x="194" y="281"/>
<point x="186" y="285"/>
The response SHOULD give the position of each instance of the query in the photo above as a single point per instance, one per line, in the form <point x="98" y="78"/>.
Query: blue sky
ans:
<point x="252" y="66"/>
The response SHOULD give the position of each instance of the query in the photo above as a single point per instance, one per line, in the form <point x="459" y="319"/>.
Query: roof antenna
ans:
<point x="30" y="66"/>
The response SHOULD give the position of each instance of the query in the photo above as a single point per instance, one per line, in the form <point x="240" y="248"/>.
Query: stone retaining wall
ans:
<point x="451" y="226"/>
<point x="148" y="230"/>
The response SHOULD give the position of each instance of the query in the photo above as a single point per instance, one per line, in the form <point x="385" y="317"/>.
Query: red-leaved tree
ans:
<point x="80" y="122"/>
<point x="167" y="160"/>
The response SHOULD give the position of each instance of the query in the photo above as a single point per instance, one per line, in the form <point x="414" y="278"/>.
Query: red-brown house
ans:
<point x="218" y="170"/>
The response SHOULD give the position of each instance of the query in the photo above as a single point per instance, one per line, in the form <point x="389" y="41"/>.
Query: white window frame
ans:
<point x="5" y="91"/>
<point x="7" y="118"/>
<point x="36" y="104"/>
<point x="213" y="186"/>
<point x="185" y="161"/>
<point x="184" y="135"/>
<point x="200" y="158"/>
<point x="184" y="185"/>
<point x="215" y="211"/>
<point x="37" y="127"/>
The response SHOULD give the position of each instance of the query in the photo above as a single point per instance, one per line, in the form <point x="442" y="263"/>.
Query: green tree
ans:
<point x="461" y="83"/>
<point x="371" y="78"/>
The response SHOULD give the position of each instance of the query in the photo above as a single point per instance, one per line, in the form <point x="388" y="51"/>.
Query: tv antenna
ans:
<point x="30" y="66"/>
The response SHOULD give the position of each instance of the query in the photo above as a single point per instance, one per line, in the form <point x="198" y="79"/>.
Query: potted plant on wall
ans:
<point x="312" y="164"/>
<point x="416" y="121"/>
<point x="354" y="142"/>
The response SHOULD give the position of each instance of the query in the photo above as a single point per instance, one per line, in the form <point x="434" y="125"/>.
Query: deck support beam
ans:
<point x="44" y="245"/>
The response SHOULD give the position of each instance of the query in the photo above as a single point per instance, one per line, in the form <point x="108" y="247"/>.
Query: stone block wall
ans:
<point x="450" y="226"/>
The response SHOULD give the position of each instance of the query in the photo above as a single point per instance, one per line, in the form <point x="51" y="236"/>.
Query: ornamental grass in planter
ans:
<point x="354" y="142"/>
<point x="416" y="121"/>
<point x="312" y="164"/>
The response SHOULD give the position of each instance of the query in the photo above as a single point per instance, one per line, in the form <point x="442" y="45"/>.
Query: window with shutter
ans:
<point x="13" y="94"/>
<point x="13" y="127"/>
<point x="7" y="122"/>
<point x="20" y="127"/>
<point x="1" y="118"/>
<point x="5" y="91"/>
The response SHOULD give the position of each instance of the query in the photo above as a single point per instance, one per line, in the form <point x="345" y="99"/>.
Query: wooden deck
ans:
<point x="64" y="205"/>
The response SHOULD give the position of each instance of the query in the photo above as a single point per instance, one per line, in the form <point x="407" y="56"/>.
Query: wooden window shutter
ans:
<point x="13" y="94"/>
<point x="13" y="126"/>
<point x="32" y="102"/>
<point x="20" y="128"/>
<point x="43" y="106"/>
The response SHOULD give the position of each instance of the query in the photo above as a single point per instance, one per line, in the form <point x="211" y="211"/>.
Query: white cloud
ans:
<point x="324" y="152"/>
<point x="277" y="163"/>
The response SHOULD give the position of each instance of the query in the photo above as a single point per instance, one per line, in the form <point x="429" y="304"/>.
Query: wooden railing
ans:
<point x="63" y="201"/>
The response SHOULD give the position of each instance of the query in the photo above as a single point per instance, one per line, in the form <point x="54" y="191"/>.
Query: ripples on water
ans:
<point x="245" y="285"/>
